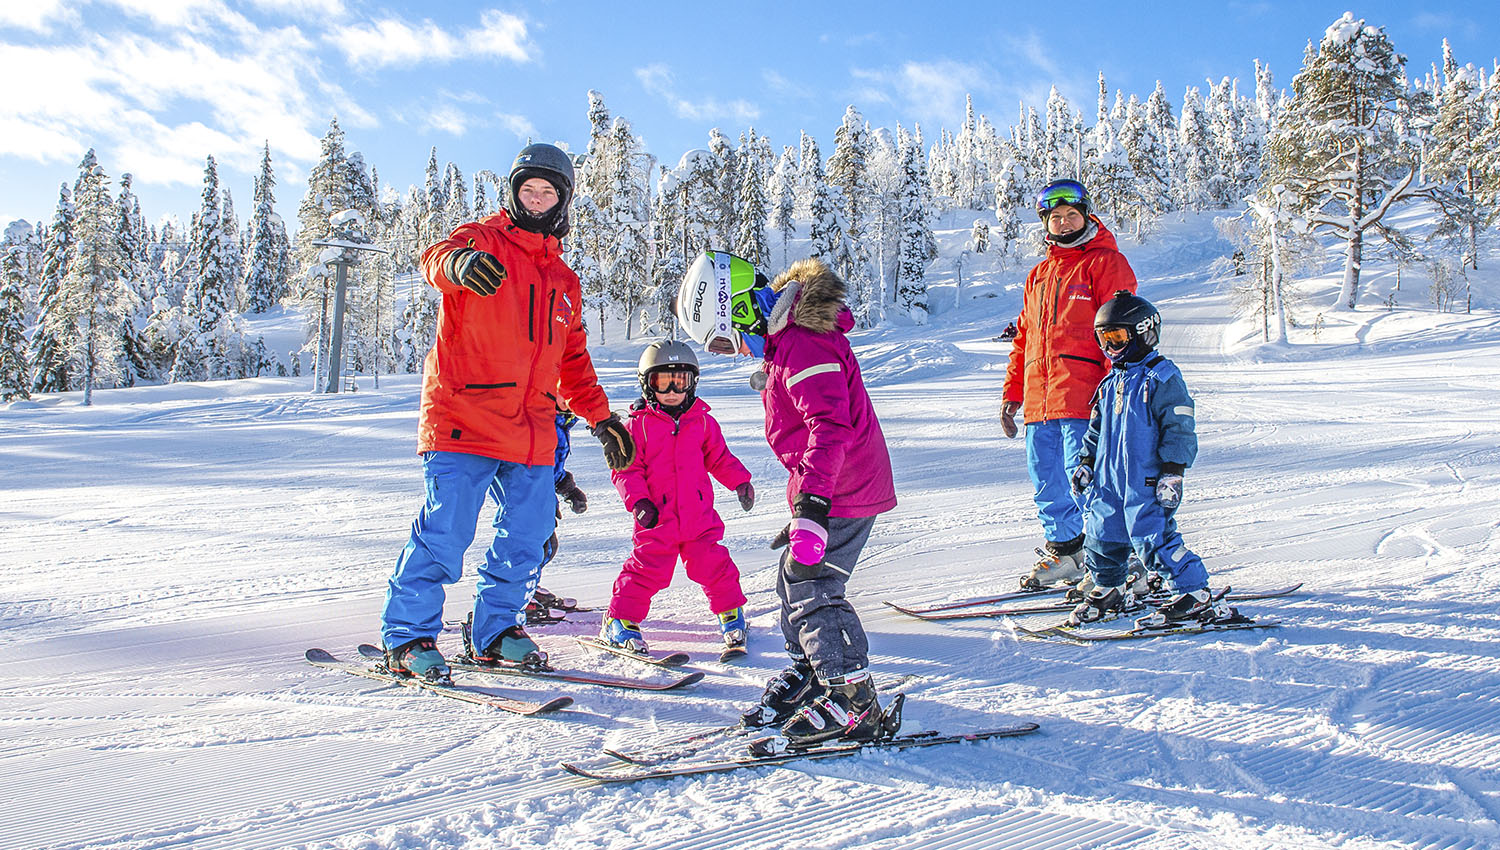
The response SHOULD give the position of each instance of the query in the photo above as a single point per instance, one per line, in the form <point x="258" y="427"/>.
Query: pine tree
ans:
<point x="1060" y="150"/>
<point x="1164" y="128"/>
<point x="15" y="367"/>
<point x="267" y="272"/>
<point x="1336" y="146"/>
<point x="1194" y="156"/>
<point x="130" y="230"/>
<point x="52" y="373"/>
<point x="1457" y="151"/>
<point x="1150" y="165"/>
<point x="94" y="285"/>
<point x="750" y="242"/>
<point x="723" y="197"/>
<point x="911" y="283"/>
<point x="784" y="199"/>
<point x="212" y="257"/>
<point x="849" y="173"/>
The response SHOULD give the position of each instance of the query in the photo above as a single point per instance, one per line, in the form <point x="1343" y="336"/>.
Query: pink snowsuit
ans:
<point x="672" y="463"/>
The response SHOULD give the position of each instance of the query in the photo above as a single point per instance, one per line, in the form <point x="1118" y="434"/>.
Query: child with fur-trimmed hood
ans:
<point x="822" y="426"/>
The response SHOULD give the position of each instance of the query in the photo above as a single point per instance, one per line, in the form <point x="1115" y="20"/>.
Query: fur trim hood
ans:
<point x="812" y="296"/>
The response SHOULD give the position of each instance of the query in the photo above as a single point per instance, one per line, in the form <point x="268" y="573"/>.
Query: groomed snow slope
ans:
<point x="169" y="553"/>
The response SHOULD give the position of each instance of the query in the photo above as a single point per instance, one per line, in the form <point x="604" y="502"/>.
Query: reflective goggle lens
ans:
<point x="1071" y="195"/>
<point x="1114" y="337"/>
<point x="668" y="381"/>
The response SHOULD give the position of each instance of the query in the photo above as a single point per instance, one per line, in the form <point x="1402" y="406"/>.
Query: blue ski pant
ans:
<point x="1052" y="451"/>
<point x="433" y="557"/>
<point x="1153" y="537"/>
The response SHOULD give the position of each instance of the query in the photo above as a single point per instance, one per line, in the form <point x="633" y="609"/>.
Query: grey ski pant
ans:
<point x="817" y="622"/>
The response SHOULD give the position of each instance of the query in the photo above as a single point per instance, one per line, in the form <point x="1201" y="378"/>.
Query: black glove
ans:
<point x="619" y="448"/>
<point x="645" y="513"/>
<point x="747" y="496"/>
<point x="1083" y="474"/>
<point x="783" y="537"/>
<point x="475" y="270"/>
<point x="568" y="489"/>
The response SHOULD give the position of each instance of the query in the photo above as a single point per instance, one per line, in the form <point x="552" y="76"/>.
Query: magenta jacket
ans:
<point x="673" y="459"/>
<point x="820" y="421"/>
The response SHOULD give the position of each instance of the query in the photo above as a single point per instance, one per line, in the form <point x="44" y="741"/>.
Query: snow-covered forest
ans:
<point x="94" y="297"/>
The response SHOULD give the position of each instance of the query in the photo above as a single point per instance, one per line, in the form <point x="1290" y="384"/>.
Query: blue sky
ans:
<point x="156" y="85"/>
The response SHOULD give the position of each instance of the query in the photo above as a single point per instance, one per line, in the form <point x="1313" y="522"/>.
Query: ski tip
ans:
<point x="316" y="655"/>
<point x="554" y="705"/>
<point x="370" y="650"/>
<point x="692" y="678"/>
<point x="674" y="660"/>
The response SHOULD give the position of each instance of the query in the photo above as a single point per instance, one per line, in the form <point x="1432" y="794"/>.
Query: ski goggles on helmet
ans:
<point x="1069" y="192"/>
<point x="1117" y="336"/>
<point x="671" y="381"/>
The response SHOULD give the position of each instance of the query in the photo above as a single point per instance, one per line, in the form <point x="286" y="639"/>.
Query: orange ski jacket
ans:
<point x="491" y="382"/>
<point x="1055" y="361"/>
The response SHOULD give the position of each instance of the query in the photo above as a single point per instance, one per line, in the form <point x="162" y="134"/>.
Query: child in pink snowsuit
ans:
<point x="667" y="489"/>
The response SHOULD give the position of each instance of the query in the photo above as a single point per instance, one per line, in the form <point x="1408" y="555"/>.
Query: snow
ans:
<point x="171" y="551"/>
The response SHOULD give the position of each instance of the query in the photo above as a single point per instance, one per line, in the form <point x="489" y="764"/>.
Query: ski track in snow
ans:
<point x="169" y="554"/>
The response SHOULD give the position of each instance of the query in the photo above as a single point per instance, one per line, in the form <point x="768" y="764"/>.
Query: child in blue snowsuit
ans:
<point x="543" y="600"/>
<point x="1140" y="440"/>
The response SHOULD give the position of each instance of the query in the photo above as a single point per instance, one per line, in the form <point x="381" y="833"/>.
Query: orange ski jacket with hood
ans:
<point x="1055" y="362"/>
<point x="492" y="381"/>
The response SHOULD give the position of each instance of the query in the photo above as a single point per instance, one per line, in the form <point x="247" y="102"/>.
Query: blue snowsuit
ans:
<point x="565" y="423"/>
<point x="1142" y="420"/>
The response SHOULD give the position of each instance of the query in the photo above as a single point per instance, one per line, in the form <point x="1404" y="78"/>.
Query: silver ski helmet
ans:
<point x="723" y="303"/>
<point x="1128" y="327"/>
<point x="665" y="366"/>
<point x="552" y="164"/>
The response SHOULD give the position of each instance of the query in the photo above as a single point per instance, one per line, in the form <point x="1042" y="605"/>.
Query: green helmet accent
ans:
<point x="716" y="302"/>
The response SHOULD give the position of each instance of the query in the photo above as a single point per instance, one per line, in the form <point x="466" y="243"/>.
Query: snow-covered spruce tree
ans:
<point x="211" y="247"/>
<point x="1151" y="166"/>
<point x="234" y="249"/>
<point x="911" y="277"/>
<point x="15" y="366"/>
<point x="754" y="207"/>
<point x="970" y="168"/>
<point x="627" y="258"/>
<point x="1107" y="170"/>
<point x="849" y="173"/>
<point x="137" y="363"/>
<point x="267" y="266"/>
<point x="456" y="187"/>
<point x="1164" y="126"/>
<point x="1194" y="155"/>
<point x="1456" y="154"/>
<point x="1060" y="148"/>
<point x="592" y="228"/>
<point x="885" y="212"/>
<point x="784" y="200"/>
<point x="723" y="197"/>
<point x="93" y="283"/>
<point x="826" y="232"/>
<point x="1336" y="146"/>
<point x="51" y="370"/>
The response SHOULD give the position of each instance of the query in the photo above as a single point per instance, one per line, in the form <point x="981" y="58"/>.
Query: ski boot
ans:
<point x="736" y="632"/>
<point x="1200" y="606"/>
<point x="515" y="646"/>
<point x="784" y="694"/>
<point x="1098" y="605"/>
<point x="547" y="599"/>
<point x="419" y="658"/>
<point x="1057" y="563"/>
<point x="846" y="711"/>
<point x="622" y="633"/>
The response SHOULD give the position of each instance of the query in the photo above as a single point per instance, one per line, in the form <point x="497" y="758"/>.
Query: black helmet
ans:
<point x="668" y="355"/>
<point x="550" y="163"/>
<point x="1137" y="318"/>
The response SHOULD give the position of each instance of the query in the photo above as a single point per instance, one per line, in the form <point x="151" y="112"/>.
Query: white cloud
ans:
<point x="312" y="10"/>
<point x="518" y="124"/>
<point x="931" y="91"/>
<point x="393" y="42"/>
<point x="657" y="79"/>
<point x="35" y="15"/>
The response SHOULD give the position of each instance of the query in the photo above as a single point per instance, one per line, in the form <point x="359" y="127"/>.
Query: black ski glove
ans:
<point x="568" y="489"/>
<point x="475" y="270"/>
<point x="747" y="496"/>
<point x="645" y="513"/>
<point x="1083" y="474"/>
<point x="619" y="448"/>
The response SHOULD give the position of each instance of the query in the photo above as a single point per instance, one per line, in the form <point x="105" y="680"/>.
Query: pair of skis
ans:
<point x="1143" y="628"/>
<point x="976" y="608"/>
<point x="669" y="760"/>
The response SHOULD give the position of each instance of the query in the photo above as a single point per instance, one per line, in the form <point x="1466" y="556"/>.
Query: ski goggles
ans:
<point x="1069" y="192"/>
<point x="671" y="381"/>
<point x="1114" y="337"/>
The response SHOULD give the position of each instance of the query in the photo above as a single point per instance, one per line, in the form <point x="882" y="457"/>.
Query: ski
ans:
<point x="326" y="660"/>
<point x="510" y="668"/>
<point x="1243" y="596"/>
<point x="676" y="748"/>
<point x="676" y="659"/>
<point x="635" y="773"/>
<point x="976" y="602"/>
<point x="1185" y="628"/>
